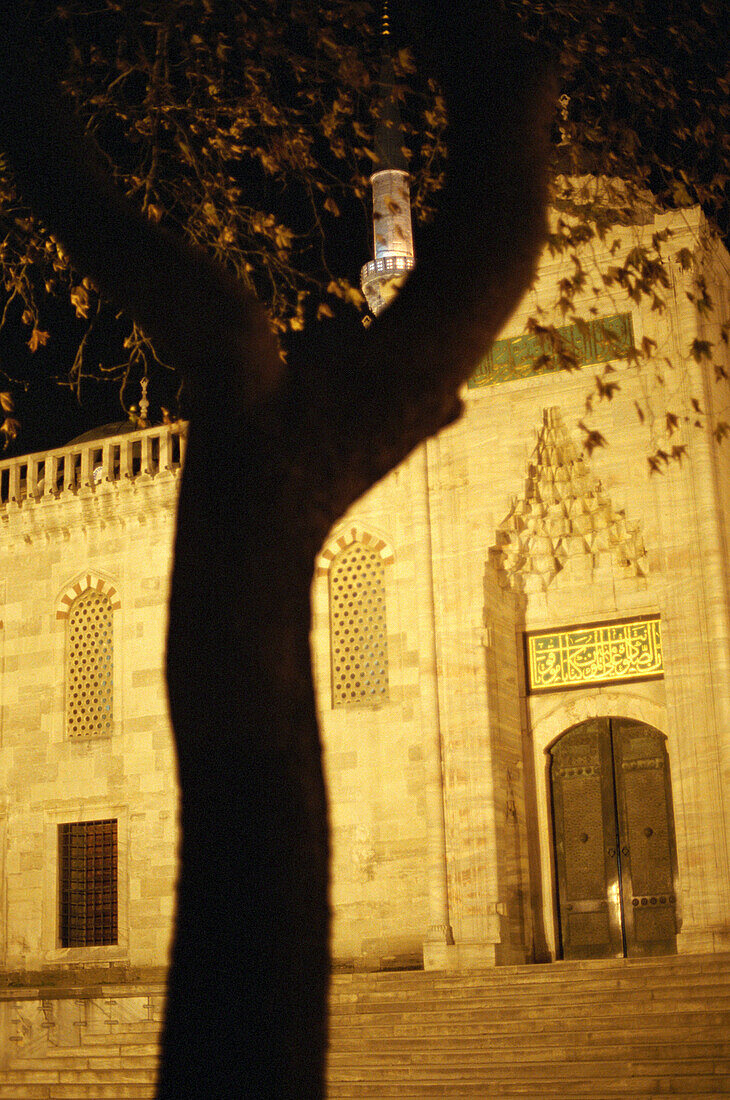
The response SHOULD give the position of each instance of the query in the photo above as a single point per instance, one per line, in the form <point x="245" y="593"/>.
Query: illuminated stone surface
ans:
<point x="439" y="793"/>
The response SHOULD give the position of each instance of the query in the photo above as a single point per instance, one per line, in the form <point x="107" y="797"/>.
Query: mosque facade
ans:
<point x="521" y="653"/>
<point x="520" y="641"/>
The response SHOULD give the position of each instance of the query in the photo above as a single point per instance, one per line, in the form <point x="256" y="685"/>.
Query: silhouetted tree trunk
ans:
<point x="276" y="454"/>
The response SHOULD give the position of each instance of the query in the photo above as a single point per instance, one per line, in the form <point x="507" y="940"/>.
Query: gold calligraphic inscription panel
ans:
<point x="596" y="341"/>
<point x="599" y="654"/>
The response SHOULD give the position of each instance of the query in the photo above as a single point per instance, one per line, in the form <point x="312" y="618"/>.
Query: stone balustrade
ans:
<point x="87" y="466"/>
<point x="387" y="265"/>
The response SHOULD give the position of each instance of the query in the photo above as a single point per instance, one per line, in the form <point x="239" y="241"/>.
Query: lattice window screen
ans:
<point x="87" y="857"/>
<point x="359" y="642"/>
<point x="89" y="669"/>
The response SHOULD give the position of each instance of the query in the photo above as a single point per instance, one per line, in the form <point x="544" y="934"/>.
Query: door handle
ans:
<point x="612" y="851"/>
<point x="625" y="851"/>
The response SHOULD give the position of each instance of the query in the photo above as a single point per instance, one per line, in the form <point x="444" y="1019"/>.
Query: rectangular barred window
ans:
<point x="87" y="858"/>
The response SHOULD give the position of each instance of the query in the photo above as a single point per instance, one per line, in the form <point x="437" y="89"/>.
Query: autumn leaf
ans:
<point x="38" y="338"/>
<point x="10" y="429"/>
<point x="354" y="296"/>
<point x="79" y="297"/>
<point x="405" y="61"/>
<point x="341" y="288"/>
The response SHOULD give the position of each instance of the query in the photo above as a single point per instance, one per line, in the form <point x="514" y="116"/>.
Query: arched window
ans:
<point x="89" y="658"/>
<point x="359" y="641"/>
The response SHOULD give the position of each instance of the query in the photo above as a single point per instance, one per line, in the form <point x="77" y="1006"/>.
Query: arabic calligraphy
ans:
<point x="595" y="655"/>
<point x="586" y="342"/>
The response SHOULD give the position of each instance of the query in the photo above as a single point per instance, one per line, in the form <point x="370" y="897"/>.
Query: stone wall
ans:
<point x="114" y="537"/>
<point x="439" y="792"/>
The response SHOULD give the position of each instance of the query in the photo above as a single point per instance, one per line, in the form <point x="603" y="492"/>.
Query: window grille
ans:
<point x="87" y="857"/>
<point x="89" y="673"/>
<point x="359" y="642"/>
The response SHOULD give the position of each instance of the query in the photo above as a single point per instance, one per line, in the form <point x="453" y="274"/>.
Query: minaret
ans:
<point x="392" y="232"/>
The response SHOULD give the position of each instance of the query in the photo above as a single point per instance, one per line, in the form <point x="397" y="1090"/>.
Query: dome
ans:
<point x="105" y="431"/>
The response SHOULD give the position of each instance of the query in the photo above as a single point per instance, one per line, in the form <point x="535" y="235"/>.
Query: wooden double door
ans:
<point x="614" y="840"/>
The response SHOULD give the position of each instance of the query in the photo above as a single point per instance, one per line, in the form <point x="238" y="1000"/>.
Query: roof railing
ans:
<point x="86" y="467"/>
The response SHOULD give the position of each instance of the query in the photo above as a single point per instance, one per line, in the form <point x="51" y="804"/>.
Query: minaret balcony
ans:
<point x="381" y="279"/>
<point x="386" y="265"/>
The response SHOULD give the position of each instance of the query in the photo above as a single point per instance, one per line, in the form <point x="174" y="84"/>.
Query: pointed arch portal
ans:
<point x="614" y="840"/>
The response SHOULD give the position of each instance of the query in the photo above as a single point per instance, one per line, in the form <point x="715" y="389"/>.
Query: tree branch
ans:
<point x="142" y="268"/>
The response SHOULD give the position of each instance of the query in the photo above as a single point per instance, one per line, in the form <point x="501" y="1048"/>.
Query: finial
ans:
<point x="386" y="23"/>
<point x="144" y="403"/>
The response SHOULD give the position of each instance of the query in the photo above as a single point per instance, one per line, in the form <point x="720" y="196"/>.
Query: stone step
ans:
<point x="77" y="1092"/>
<point x="647" y="1028"/>
<point x="549" y="973"/>
<point x="518" y="994"/>
<point x="522" y="985"/>
<point x="62" y="1057"/>
<point x="103" y="1027"/>
<point x="627" y="1088"/>
<point x="119" y="1075"/>
<point x="426" y="1052"/>
<point x="687" y="986"/>
<point x="719" y="985"/>
<point x="538" y="1015"/>
<point x="695" y="995"/>
<point x="485" y="983"/>
<point x="402" y="1066"/>
<point x="670" y="1026"/>
<point x="129" y="1040"/>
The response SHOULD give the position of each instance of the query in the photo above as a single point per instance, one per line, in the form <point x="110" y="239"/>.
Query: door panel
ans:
<point x="646" y="829"/>
<point x="585" y="844"/>
<point x="614" y="840"/>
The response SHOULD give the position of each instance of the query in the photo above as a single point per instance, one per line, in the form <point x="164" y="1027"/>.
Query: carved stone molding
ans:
<point x="562" y="514"/>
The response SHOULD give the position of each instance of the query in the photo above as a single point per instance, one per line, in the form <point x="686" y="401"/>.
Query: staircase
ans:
<point x="620" y="1028"/>
<point x="82" y="1044"/>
